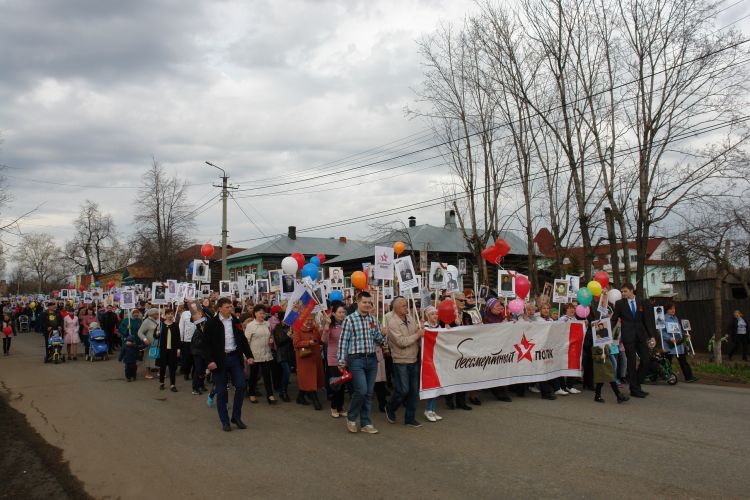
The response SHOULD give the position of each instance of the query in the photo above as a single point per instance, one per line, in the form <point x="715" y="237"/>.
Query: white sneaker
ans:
<point x="534" y="389"/>
<point x="334" y="413"/>
<point x="342" y="414"/>
<point x="573" y="390"/>
<point x="561" y="392"/>
<point x="351" y="426"/>
<point x="430" y="416"/>
<point x="437" y="417"/>
<point x="369" y="429"/>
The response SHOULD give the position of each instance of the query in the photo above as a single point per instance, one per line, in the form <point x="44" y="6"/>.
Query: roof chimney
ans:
<point x="412" y="221"/>
<point x="292" y="232"/>
<point x="342" y="239"/>
<point x="450" y="219"/>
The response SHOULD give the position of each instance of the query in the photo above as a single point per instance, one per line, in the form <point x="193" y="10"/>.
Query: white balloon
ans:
<point x="613" y="296"/>
<point x="289" y="265"/>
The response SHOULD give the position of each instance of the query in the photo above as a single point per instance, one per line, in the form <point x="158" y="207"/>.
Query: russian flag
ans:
<point x="300" y="307"/>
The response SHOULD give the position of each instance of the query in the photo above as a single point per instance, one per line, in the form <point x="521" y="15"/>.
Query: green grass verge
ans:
<point x="737" y="372"/>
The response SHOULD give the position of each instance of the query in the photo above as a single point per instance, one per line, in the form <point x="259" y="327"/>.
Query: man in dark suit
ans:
<point x="631" y="312"/>
<point x="227" y="353"/>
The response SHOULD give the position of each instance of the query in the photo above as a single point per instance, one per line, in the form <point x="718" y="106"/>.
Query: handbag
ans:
<point x="153" y="351"/>
<point x="305" y="352"/>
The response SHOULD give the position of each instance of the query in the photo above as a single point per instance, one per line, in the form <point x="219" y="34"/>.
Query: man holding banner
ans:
<point x="404" y="335"/>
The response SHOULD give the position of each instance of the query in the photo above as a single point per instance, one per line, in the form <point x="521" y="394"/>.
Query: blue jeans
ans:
<point x="286" y="371"/>
<point x="232" y="367"/>
<point x="613" y="360"/>
<point x="431" y="405"/>
<point x="363" y="370"/>
<point x="405" y="389"/>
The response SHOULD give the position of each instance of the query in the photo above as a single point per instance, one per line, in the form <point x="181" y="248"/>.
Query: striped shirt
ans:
<point x="359" y="334"/>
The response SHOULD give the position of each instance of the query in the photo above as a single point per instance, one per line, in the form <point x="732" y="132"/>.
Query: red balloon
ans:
<point x="502" y="247"/>
<point x="207" y="250"/>
<point x="602" y="278"/>
<point x="322" y="257"/>
<point x="447" y="311"/>
<point x="491" y="255"/>
<point x="111" y="284"/>
<point x="82" y="288"/>
<point x="300" y="260"/>
<point x="522" y="286"/>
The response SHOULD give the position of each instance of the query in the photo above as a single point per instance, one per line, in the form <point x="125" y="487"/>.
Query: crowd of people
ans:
<point x="348" y="350"/>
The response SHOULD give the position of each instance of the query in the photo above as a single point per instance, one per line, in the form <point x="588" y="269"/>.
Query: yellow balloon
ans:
<point x="32" y="305"/>
<point x="595" y="288"/>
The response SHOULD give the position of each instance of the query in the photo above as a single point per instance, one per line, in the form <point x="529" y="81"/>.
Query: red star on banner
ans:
<point x="524" y="349"/>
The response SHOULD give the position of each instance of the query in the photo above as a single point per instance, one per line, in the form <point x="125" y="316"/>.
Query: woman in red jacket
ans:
<point x="7" y="333"/>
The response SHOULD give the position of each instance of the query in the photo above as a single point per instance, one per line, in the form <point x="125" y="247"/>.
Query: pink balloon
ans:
<point x="516" y="306"/>
<point x="582" y="311"/>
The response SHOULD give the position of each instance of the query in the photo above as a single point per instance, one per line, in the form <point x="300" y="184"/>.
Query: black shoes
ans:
<point x="464" y="407"/>
<point x="301" y="399"/>
<point x="226" y="428"/>
<point x="284" y="397"/>
<point x="550" y="397"/>
<point x="239" y="423"/>
<point x="638" y="394"/>
<point x="450" y="404"/>
<point x="316" y="401"/>
<point x="173" y="389"/>
<point x="475" y="401"/>
<point x="598" y="398"/>
<point x="621" y="398"/>
<point x="694" y="379"/>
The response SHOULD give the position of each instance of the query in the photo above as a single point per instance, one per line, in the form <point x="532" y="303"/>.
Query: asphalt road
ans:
<point x="130" y="440"/>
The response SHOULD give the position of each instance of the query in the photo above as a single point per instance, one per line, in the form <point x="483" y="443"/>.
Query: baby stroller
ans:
<point x="660" y="368"/>
<point x="55" y="348"/>
<point x="98" y="346"/>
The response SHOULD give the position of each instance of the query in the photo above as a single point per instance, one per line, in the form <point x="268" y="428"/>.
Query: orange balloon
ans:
<point x="399" y="247"/>
<point x="359" y="280"/>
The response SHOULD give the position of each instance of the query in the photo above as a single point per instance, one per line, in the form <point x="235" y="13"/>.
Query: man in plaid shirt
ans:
<point x="360" y="333"/>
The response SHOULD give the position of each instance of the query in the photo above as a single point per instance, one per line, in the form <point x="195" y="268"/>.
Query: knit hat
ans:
<point x="275" y="309"/>
<point x="491" y="303"/>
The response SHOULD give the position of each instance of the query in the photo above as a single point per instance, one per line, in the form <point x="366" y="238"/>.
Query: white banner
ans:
<point x="477" y="357"/>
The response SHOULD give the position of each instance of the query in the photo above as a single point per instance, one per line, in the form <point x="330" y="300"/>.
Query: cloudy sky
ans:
<point x="273" y="91"/>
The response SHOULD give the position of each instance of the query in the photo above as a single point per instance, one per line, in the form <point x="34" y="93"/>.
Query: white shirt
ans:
<point x="229" y="343"/>
<point x="185" y="331"/>
<point x="741" y="326"/>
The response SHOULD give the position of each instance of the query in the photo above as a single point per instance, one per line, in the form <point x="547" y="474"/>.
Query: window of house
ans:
<point x="674" y="276"/>
<point x="633" y="258"/>
<point x="738" y="292"/>
<point x="663" y="277"/>
<point x="653" y="278"/>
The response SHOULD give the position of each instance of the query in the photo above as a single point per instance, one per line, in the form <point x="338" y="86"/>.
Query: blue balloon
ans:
<point x="315" y="260"/>
<point x="190" y="267"/>
<point x="310" y="271"/>
<point x="336" y="295"/>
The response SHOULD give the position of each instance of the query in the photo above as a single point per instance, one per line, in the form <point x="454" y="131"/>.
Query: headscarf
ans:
<point x="489" y="316"/>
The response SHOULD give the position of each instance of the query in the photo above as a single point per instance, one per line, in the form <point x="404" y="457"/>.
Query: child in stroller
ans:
<point x="54" y="348"/>
<point x="97" y="343"/>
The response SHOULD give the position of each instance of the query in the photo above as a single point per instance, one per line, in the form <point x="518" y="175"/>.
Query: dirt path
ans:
<point x="31" y="467"/>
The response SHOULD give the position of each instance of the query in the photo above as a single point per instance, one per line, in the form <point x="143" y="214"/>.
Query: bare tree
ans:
<point x="686" y="76"/>
<point x="164" y="219"/>
<point x="714" y="238"/>
<point x="95" y="248"/>
<point x="38" y="255"/>
<point x="463" y="115"/>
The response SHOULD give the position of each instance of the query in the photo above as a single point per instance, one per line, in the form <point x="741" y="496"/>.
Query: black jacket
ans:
<point x="199" y="342"/>
<point x="45" y="322"/>
<point x="284" y="344"/>
<point x="109" y="322"/>
<point x="176" y="344"/>
<point x="215" y="336"/>
<point x="634" y="329"/>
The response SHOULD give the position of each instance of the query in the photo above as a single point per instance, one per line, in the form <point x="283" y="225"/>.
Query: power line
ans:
<point x="531" y="115"/>
<point x="514" y="182"/>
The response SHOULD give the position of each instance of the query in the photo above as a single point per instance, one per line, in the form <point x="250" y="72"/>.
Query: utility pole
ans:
<point x="224" y="196"/>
